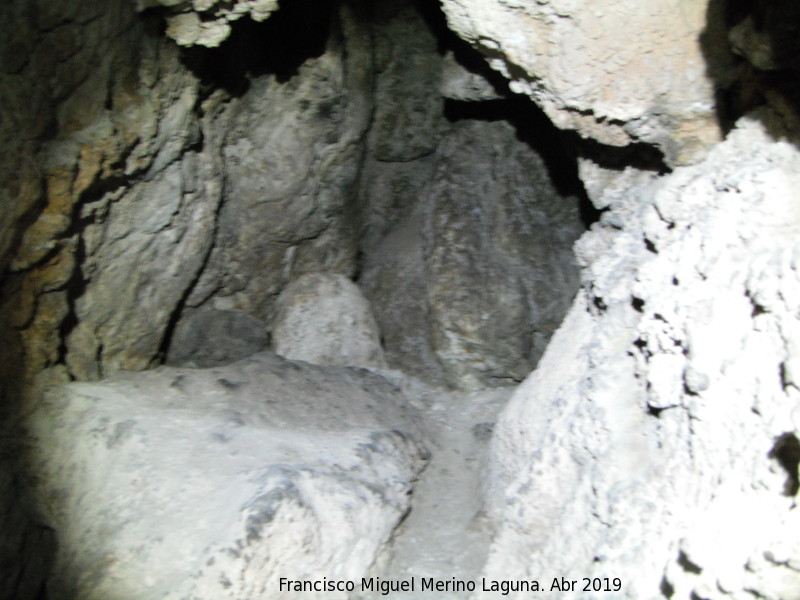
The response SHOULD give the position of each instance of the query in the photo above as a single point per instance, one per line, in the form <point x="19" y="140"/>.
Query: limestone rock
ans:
<point x="291" y="153"/>
<point x="458" y="83"/>
<point x="498" y="254"/>
<point x="657" y="440"/>
<point x="214" y="483"/>
<point x="212" y="338"/>
<point x="465" y="289"/>
<point x="617" y="73"/>
<point x="323" y="318"/>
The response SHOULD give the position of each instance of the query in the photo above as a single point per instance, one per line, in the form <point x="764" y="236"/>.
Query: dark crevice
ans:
<point x="666" y="588"/>
<point x="177" y="313"/>
<point x="687" y="565"/>
<point x="296" y="32"/>
<point x="741" y="86"/>
<point x="786" y="452"/>
<point x="533" y="127"/>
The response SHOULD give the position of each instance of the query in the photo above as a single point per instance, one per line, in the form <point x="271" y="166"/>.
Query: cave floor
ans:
<point x="446" y="534"/>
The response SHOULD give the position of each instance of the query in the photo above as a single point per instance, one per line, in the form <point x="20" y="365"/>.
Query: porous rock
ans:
<point x="212" y="338"/>
<point x="324" y="318"/>
<point x="215" y="483"/>
<point x="207" y="22"/>
<point x="657" y="441"/>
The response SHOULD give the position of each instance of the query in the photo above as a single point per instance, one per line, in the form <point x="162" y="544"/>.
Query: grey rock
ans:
<point x="605" y="71"/>
<point x="292" y="154"/>
<point x="212" y="338"/>
<point x="323" y="318"/>
<point x="458" y="83"/>
<point x="205" y="483"/>
<point x="466" y="249"/>
<point x="498" y="256"/>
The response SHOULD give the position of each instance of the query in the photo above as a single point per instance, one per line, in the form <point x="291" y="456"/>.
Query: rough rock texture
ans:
<point x="99" y="114"/>
<point x="212" y="338"/>
<point x="658" y="440"/>
<point x="291" y="153"/>
<point x="622" y="72"/>
<point x="498" y="252"/>
<point x="208" y="22"/>
<point x="324" y="319"/>
<point x="215" y="483"/>
<point x="466" y="251"/>
<point x="180" y="181"/>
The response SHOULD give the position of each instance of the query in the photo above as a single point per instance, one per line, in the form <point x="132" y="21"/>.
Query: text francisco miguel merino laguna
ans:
<point x="431" y="584"/>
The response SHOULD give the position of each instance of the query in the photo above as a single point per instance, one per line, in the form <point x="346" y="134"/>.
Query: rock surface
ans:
<point x="291" y="151"/>
<point x="466" y="251"/>
<point x="622" y="72"/>
<point x="208" y="22"/>
<point x="446" y="535"/>
<point x="213" y="338"/>
<point x="324" y="319"/>
<point x="657" y="441"/>
<point x="214" y="483"/>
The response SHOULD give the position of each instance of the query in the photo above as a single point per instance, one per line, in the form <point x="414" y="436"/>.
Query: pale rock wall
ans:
<point x="620" y="72"/>
<point x="657" y="441"/>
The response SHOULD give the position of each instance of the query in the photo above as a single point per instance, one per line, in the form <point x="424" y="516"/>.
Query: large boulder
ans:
<point x="215" y="483"/>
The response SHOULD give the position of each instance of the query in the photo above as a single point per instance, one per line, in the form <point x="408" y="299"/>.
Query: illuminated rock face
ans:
<point x="666" y="408"/>
<point x="215" y="483"/>
<point x="626" y="71"/>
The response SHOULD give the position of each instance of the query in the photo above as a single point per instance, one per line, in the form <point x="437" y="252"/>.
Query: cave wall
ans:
<point x="665" y="407"/>
<point x="620" y="73"/>
<point x="189" y="180"/>
<point x="467" y="243"/>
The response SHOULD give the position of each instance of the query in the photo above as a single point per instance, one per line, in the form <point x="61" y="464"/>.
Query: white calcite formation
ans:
<point x="658" y="440"/>
<point x="208" y="22"/>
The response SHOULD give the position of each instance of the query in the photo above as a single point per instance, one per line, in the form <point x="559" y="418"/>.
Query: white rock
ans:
<point x="323" y="318"/>
<point x="604" y="463"/>
<point x="215" y="483"/>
